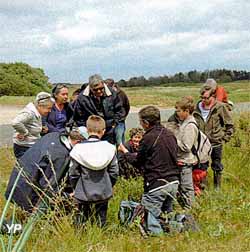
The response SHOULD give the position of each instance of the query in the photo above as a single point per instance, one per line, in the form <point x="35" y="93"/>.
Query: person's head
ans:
<point x="149" y="116"/>
<point x="210" y="84"/>
<point x="75" y="95"/>
<point x="207" y="97"/>
<point x="43" y="103"/>
<point x="110" y="82"/>
<point x="184" y="107"/>
<point x="136" y="135"/>
<point x="96" y="126"/>
<point x="75" y="136"/>
<point x="96" y="85"/>
<point x="60" y="92"/>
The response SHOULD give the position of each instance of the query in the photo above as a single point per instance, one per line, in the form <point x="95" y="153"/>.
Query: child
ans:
<point x="126" y="169"/>
<point x="93" y="173"/>
<point x="186" y="138"/>
<point x="157" y="156"/>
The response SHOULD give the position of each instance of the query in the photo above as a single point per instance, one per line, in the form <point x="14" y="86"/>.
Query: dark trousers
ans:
<point x="19" y="150"/>
<point x="216" y="157"/>
<point x="93" y="211"/>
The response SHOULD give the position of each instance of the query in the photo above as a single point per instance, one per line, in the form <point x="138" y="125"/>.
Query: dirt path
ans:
<point x="8" y="113"/>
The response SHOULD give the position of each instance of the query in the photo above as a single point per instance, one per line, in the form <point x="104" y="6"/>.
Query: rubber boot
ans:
<point x="217" y="180"/>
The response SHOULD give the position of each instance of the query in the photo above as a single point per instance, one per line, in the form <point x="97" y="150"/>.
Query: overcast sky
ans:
<point x="72" y="39"/>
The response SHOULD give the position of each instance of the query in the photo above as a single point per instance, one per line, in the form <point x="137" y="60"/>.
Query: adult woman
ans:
<point x="28" y="123"/>
<point x="61" y="112"/>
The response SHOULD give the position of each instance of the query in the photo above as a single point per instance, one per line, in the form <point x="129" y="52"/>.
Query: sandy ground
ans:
<point x="8" y="113"/>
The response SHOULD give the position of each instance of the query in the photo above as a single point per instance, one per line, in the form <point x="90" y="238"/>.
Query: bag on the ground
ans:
<point x="173" y="223"/>
<point x="202" y="150"/>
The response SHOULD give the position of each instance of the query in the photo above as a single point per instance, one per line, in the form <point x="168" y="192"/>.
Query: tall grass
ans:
<point x="223" y="215"/>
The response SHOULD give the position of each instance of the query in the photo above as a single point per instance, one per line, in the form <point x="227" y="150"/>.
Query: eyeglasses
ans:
<point x="205" y="98"/>
<point x="98" y="89"/>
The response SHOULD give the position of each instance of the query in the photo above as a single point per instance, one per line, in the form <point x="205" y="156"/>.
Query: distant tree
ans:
<point x="22" y="79"/>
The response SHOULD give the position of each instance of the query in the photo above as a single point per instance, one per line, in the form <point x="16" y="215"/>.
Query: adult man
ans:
<point x="42" y="166"/>
<point x="98" y="99"/>
<point x="215" y="121"/>
<point x="157" y="158"/>
<point x="220" y="92"/>
<point x="120" y="129"/>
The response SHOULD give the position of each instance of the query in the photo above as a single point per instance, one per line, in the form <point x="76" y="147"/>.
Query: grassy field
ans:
<point x="223" y="216"/>
<point x="163" y="96"/>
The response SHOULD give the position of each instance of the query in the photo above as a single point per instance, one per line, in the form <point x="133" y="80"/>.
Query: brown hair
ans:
<point x="150" y="114"/>
<point x="185" y="103"/>
<point x="136" y="131"/>
<point x="75" y="134"/>
<point x="95" y="124"/>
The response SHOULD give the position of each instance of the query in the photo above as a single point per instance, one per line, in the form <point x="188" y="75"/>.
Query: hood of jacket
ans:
<point x="93" y="154"/>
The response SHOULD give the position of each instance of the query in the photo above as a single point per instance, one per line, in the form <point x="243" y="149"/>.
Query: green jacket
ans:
<point x="219" y="125"/>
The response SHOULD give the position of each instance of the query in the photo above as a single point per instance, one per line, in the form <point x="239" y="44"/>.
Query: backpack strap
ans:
<point x="193" y="149"/>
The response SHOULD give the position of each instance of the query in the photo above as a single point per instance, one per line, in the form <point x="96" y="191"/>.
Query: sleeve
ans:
<point x="74" y="173"/>
<point x="188" y="137"/>
<point x="139" y="159"/>
<point x="119" y="111"/>
<point x="126" y="103"/>
<point x="50" y="122"/>
<point x="19" y="123"/>
<point x="113" y="170"/>
<point x="228" y="124"/>
<point x="78" y="112"/>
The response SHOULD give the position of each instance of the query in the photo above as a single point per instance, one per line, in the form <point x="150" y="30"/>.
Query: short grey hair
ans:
<point x="210" y="83"/>
<point x="44" y="99"/>
<point x="95" y="80"/>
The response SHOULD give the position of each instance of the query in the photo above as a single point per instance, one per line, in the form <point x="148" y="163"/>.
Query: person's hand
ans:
<point x="45" y="129"/>
<point x="20" y="137"/>
<point x="122" y="148"/>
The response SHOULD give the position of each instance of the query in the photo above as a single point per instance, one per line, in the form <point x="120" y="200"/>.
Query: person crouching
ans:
<point x="93" y="172"/>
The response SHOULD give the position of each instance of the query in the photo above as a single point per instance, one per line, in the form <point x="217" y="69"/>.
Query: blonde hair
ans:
<point x="186" y="102"/>
<point x="95" y="124"/>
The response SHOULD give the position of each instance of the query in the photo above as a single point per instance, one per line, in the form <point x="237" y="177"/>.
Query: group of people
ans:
<point x="84" y="142"/>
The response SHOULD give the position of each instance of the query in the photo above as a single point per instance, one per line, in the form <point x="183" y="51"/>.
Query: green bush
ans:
<point x="21" y="79"/>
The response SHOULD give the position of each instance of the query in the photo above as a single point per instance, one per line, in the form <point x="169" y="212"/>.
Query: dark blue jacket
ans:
<point x="50" y="120"/>
<point x="112" y="109"/>
<point x="50" y="152"/>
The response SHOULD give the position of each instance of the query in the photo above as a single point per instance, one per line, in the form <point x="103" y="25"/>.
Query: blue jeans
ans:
<point x="153" y="202"/>
<point x="120" y="133"/>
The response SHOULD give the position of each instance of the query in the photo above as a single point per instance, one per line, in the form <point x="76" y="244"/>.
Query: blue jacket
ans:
<point x="50" y="152"/>
<point x="50" y="120"/>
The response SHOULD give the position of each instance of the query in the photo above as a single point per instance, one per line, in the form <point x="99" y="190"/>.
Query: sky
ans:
<point x="72" y="40"/>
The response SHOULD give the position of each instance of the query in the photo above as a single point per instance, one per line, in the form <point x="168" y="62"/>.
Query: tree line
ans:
<point x="220" y="75"/>
<point x="22" y="79"/>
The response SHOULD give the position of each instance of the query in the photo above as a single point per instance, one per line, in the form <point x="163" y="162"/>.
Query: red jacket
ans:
<point x="221" y="94"/>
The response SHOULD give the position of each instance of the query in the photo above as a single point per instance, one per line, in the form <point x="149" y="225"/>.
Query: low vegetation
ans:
<point x="162" y="96"/>
<point x="223" y="215"/>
